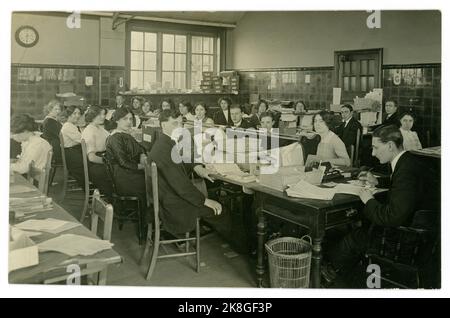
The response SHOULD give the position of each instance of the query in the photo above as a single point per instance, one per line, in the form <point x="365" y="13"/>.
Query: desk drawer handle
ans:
<point x="350" y="212"/>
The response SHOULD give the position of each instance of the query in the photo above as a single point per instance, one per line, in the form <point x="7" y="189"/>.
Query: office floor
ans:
<point x="220" y="265"/>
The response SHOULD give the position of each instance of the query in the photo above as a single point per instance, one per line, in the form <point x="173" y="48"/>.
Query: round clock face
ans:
<point x="27" y="36"/>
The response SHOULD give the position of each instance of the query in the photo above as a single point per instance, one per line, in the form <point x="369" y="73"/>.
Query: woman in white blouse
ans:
<point x="72" y="143"/>
<point x="410" y="139"/>
<point x="94" y="135"/>
<point x="34" y="148"/>
<point x="331" y="148"/>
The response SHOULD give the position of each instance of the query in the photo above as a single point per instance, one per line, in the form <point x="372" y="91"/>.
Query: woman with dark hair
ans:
<point x="300" y="107"/>
<point x="72" y="143"/>
<point x="185" y="109"/>
<point x="411" y="140"/>
<point x="222" y="116"/>
<point x="94" y="135"/>
<point x="200" y="111"/>
<point x="34" y="148"/>
<point x="331" y="148"/>
<point x="126" y="157"/>
<point x="51" y="128"/>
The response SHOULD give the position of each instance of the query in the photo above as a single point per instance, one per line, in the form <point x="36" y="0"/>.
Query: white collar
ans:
<point x="395" y="160"/>
<point x="238" y="124"/>
<point x="347" y="121"/>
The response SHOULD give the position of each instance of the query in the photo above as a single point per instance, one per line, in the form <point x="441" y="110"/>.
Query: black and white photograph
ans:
<point x="290" y="149"/>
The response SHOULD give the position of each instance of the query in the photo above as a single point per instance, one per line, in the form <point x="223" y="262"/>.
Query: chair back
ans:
<point x="151" y="186"/>
<point x="41" y="176"/>
<point x="85" y="165"/>
<point x="63" y="154"/>
<point x="110" y="172"/>
<point x="355" y="160"/>
<point x="103" y="211"/>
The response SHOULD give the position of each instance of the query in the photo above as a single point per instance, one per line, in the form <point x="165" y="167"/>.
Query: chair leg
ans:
<point x="197" y="242"/>
<point x="85" y="206"/>
<point x="64" y="187"/>
<point x="187" y="242"/>
<point x="148" y="243"/>
<point x="152" y="266"/>
<point x="102" y="277"/>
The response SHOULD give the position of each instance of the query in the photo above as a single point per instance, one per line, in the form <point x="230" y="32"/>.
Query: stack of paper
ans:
<point x="74" y="245"/>
<point x="49" y="225"/>
<point x="226" y="169"/>
<point x="306" y="190"/>
<point x="22" y="251"/>
<point x="20" y="188"/>
<point x="31" y="204"/>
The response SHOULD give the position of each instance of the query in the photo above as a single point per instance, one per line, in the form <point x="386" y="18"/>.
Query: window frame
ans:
<point x="187" y="30"/>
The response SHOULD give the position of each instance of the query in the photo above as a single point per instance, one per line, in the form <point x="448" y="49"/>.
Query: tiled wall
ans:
<point x="420" y="91"/>
<point x="32" y="86"/>
<point x="314" y="86"/>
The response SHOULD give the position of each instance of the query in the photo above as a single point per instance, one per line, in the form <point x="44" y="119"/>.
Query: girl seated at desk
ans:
<point x="200" y="111"/>
<point x="126" y="157"/>
<point x="331" y="148"/>
<point x="72" y="143"/>
<point x="34" y="148"/>
<point x="411" y="140"/>
<point x="95" y="136"/>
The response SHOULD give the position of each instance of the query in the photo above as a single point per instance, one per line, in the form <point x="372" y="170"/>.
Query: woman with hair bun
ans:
<point x="126" y="157"/>
<point x="34" y="148"/>
<point x="94" y="135"/>
<point x="51" y="127"/>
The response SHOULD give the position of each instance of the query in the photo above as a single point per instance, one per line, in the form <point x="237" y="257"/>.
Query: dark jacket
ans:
<point x="405" y="196"/>
<point x="392" y="120"/>
<point x="50" y="132"/>
<point x="181" y="202"/>
<point x="348" y="133"/>
<point x="219" y="118"/>
<point x="246" y="123"/>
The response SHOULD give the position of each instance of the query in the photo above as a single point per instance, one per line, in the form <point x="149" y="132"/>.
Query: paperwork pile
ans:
<point x="49" y="225"/>
<point x="27" y="205"/>
<point x="22" y="251"/>
<point x="73" y="245"/>
<point x="306" y="190"/>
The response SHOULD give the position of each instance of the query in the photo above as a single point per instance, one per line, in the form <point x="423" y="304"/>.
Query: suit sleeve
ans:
<point x="401" y="203"/>
<point x="121" y="153"/>
<point x="178" y="180"/>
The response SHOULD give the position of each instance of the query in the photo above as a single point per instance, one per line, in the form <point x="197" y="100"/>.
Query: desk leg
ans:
<point x="315" y="262"/>
<point x="261" y="233"/>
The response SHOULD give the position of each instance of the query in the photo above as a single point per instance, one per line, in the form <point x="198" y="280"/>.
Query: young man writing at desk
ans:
<point x="181" y="202"/>
<point x="405" y="196"/>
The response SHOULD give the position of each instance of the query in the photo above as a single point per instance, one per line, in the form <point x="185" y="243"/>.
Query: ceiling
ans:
<point x="228" y="17"/>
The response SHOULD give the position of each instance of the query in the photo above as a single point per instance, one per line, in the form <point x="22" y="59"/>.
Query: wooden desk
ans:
<point x="49" y="260"/>
<point x="432" y="152"/>
<point x="315" y="215"/>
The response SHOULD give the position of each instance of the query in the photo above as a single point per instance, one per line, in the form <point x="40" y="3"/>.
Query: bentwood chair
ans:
<point x="104" y="212"/>
<point x="68" y="181"/>
<point x="88" y="188"/>
<point x="41" y="176"/>
<point x="154" y="228"/>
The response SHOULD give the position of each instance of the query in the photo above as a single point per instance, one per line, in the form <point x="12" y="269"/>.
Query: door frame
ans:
<point x="378" y="51"/>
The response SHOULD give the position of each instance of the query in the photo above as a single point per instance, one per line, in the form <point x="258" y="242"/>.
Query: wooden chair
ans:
<point x="127" y="207"/>
<point x="103" y="211"/>
<point x="406" y="253"/>
<point x="151" y="182"/>
<point x="41" y="176"/>
<point x="67" y="179"/>
<point x="87" y="185"/>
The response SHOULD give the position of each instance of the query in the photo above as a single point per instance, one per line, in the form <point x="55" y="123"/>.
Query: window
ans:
<point x="170" y="61"/>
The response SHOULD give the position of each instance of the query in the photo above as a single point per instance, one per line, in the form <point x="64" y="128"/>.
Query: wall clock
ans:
<point x="27" y="36"/>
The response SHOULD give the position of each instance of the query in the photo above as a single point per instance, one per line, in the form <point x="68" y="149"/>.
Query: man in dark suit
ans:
<point x="222" y="116"/>
<point x="349" y="127"/>
<point x="181" y="202"/>
<point x="392" y="117"/>
<point x="238" y="121"/>
<point x="405" y="196"/>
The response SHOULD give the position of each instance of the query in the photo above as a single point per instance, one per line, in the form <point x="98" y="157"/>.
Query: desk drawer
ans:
<point x="341" y="216"/>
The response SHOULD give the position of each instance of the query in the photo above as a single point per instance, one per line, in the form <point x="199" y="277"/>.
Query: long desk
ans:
<point x="317" y="216"/>
<point x="48" y="261"/>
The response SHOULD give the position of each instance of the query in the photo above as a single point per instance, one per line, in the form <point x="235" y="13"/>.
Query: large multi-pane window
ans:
<point x="167" y="61"/>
